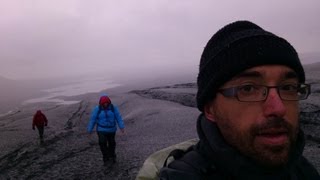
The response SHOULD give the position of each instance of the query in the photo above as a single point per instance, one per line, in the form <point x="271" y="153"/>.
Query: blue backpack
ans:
<point x="110" y="124"/>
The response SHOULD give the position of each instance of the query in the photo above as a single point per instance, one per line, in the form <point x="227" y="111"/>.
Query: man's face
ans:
<point x="264" y="131"/>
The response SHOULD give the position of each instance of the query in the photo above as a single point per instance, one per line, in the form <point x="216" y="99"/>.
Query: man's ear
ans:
<point x="209" y="111"/>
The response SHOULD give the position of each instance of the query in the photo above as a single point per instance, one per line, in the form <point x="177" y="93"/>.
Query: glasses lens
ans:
<point x="303" y="91"/>
<point x="251" y="93"/>
<point x="294" y="92"/>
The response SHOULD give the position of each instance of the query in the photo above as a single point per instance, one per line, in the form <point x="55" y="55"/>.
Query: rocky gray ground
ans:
<point x="70" y="153"/>
<point x="155" y="118"/>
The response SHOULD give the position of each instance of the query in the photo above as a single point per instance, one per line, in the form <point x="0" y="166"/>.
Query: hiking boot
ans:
<point x="114" y="159"/>
<point x="105" y="163"/>
<point x="105" y="160"/>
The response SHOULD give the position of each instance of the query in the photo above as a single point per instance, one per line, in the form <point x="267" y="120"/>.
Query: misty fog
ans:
<point x="46" y="44"/>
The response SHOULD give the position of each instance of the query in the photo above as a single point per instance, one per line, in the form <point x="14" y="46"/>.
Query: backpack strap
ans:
<point x="177" y="154"/>
<point x="193" y="159"/>
<point x="112" y="107"/>
<point x="198" y="163"/>
<point x="98" y="113"/>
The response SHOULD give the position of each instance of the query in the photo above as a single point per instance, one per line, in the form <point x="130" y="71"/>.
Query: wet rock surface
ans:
<point x="69" y="152"/>
<point x="154" y="118"/>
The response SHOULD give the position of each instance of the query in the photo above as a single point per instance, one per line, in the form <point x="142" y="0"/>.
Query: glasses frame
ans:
<point x="233" y="92"/>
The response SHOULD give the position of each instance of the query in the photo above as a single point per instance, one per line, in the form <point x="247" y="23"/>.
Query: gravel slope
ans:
<point x="155" y="118"/>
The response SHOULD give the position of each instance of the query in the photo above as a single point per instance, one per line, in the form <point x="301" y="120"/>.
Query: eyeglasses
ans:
<point x="256" y="93"/>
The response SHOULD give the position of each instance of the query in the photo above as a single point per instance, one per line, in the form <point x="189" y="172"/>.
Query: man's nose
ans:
<point x="274" y="106"/>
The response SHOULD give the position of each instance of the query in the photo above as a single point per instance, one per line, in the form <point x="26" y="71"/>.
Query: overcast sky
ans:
<point x="42" y="38"/>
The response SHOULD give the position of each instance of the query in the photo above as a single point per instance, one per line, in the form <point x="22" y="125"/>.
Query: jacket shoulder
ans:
<point x="306" y="170"/>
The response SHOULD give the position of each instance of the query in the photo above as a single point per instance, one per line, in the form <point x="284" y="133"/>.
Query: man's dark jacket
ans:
<point x="213" y="158"/>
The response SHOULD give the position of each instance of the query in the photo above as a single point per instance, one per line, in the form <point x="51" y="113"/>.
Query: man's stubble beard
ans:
<point x="268" y="156"/>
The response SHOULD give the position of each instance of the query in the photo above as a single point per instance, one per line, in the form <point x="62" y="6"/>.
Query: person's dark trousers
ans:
<point x="40" y="129"/>
<point x="107" y="145"/>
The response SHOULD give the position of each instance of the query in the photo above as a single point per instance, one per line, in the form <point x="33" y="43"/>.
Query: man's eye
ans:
<point x="289" y="87"/>
<point x="247" y="88"/>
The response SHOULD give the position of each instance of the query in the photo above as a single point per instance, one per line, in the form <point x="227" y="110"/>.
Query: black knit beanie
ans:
<point x="236" y="47"/>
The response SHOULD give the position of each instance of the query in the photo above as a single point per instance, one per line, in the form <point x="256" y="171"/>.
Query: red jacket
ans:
<point x="39" y="119"/>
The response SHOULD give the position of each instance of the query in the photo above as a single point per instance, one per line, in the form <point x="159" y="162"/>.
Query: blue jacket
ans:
<point x="107" y="120"/>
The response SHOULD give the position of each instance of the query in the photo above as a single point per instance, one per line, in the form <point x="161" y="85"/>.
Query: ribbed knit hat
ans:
<point x="236" y="47"/>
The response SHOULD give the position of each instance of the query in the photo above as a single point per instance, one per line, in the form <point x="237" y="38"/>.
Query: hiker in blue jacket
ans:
<point x="106" y="116"/>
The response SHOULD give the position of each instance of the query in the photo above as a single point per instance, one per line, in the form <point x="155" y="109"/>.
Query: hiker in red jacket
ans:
<point x="39" y="120"/>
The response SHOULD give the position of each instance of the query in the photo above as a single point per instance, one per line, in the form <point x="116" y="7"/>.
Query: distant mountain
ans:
<point x="309" y="58"/>
<point x="5" y="81"/>
<point x="11" y="93"/>
<point x="14" y="92"/>
<point x="311" y="63"/>
<point x="3" y="78"/>
<point x="313" y="66"/>
<point x="8" y="86"/>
